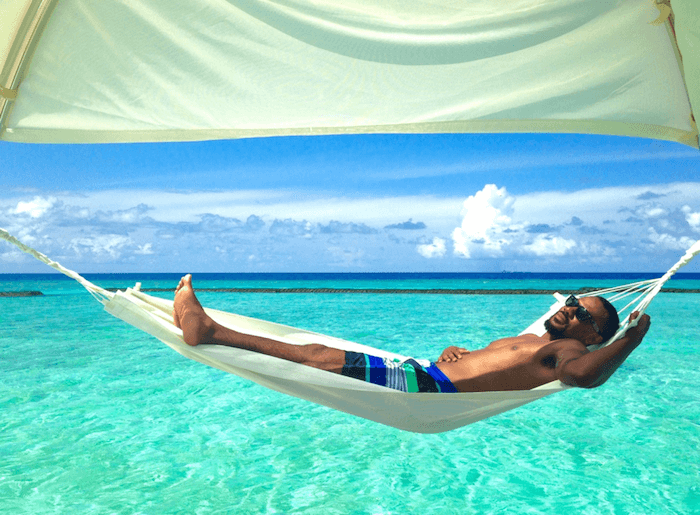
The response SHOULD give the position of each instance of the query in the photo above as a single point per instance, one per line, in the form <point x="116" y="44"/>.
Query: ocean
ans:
<point x="99" y="418"/>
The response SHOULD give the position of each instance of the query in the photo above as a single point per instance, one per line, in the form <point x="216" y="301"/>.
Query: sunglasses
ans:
<point x="582" y="313"/>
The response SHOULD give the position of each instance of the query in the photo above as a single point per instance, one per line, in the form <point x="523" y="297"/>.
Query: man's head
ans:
<point x="590" y="320"/>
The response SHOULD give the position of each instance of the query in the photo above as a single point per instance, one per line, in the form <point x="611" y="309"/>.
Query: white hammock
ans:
<point x="418" y="412"/>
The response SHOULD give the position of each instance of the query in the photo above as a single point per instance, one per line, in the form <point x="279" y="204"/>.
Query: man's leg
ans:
<point x="198" y="327"/>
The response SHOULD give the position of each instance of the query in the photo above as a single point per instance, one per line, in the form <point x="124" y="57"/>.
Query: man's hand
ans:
<point x="636" y="333"/>
<point x="452" y="354"/>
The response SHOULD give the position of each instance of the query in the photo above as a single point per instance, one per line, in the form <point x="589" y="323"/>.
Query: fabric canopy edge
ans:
<point x="25" y="22"/>
<point x="683" y="26"/>
<point x="594" y="127"/>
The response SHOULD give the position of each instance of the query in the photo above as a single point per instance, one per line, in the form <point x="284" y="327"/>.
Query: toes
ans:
<point x="183" y="282"/>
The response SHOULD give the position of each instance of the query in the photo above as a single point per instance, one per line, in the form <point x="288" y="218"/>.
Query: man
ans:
<point x="516" y="363"/>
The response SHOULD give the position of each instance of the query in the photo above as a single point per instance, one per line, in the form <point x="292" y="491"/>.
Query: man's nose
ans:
<point x="570" y="311"/>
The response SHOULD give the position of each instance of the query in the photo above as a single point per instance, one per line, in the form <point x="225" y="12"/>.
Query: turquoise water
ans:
<point x="96" y="417"/>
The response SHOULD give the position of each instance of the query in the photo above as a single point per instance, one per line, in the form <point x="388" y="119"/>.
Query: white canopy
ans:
<point x="171" y="70"/>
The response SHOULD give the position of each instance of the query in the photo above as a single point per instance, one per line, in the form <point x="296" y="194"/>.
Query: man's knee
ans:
<point x="319" y="352"/>
<point x="324" y="357"/>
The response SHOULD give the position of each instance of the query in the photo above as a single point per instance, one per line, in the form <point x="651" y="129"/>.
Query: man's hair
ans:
<point x="613" y="322"/>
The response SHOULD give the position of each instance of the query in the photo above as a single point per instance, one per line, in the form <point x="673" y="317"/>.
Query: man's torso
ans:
<point x="517" y="363"/>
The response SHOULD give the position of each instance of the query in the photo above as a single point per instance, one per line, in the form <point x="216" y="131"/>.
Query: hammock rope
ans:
<point x="100" y="294"/>
<point x="417" y="412"/>
<point x="645" y="292"/>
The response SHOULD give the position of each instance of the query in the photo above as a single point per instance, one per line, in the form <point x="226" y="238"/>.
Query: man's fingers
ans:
<point x="645" y="321"/>
<point x="452" y="354"/>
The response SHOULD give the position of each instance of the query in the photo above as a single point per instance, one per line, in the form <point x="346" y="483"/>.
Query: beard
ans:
<point x="556" y="334"/>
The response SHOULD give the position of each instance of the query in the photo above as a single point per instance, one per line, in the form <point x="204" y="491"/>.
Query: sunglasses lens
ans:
<point x="583" y="315"/>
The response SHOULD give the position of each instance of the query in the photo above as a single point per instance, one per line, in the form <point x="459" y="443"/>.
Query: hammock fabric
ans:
<point x="418" y="412"/>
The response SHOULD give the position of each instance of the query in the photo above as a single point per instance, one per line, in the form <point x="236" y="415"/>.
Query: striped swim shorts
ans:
<point x="406" y="376"/>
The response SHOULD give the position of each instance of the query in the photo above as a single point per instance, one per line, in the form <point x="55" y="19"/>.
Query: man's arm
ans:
<point x="591" y="369"/>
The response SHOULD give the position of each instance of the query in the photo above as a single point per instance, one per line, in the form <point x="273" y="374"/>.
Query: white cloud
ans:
<point x="439" y="213"/>
<point x="435" y="249"/>
<point x="100" y="246"/>
<point x="669" y="241"/>
<point x="129" y="216"/>
<point x="601" y="254"/>
<point x="499" y="225"/>
<point x="144" y="250"/>
<point x="595" y="205"/>
<point x="486" y="223"/>
<point x="653" y="212"/>
<point x="291" y="227"/>
<point x="335" y="227"/>
<point x="636" y="228"/>
<point x="549" y="246"/>
<point x="693" y="218"/>
<point x="36" y="207"/>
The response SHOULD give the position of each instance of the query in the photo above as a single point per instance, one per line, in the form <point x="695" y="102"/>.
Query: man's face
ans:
<point x="565" y="324"/>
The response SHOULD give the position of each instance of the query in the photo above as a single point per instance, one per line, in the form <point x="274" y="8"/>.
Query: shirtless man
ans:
<point x="516" y="363"/>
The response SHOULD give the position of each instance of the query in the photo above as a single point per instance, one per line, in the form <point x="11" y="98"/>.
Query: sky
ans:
<point x="367" y="203"/>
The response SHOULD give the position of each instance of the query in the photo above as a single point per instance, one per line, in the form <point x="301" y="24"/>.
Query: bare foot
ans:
<point x="189" y="315"/>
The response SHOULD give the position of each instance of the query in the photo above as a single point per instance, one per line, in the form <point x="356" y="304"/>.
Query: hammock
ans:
<point x="417" y="412"/>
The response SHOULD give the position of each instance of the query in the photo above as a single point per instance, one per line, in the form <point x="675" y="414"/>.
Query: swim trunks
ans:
<point x="406" y="376"/>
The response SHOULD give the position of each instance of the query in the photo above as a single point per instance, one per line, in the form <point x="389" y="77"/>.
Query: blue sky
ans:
<point x="375" y="203"/>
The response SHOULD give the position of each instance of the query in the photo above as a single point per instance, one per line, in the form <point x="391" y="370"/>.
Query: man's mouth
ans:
<point x="560" y="316"/>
